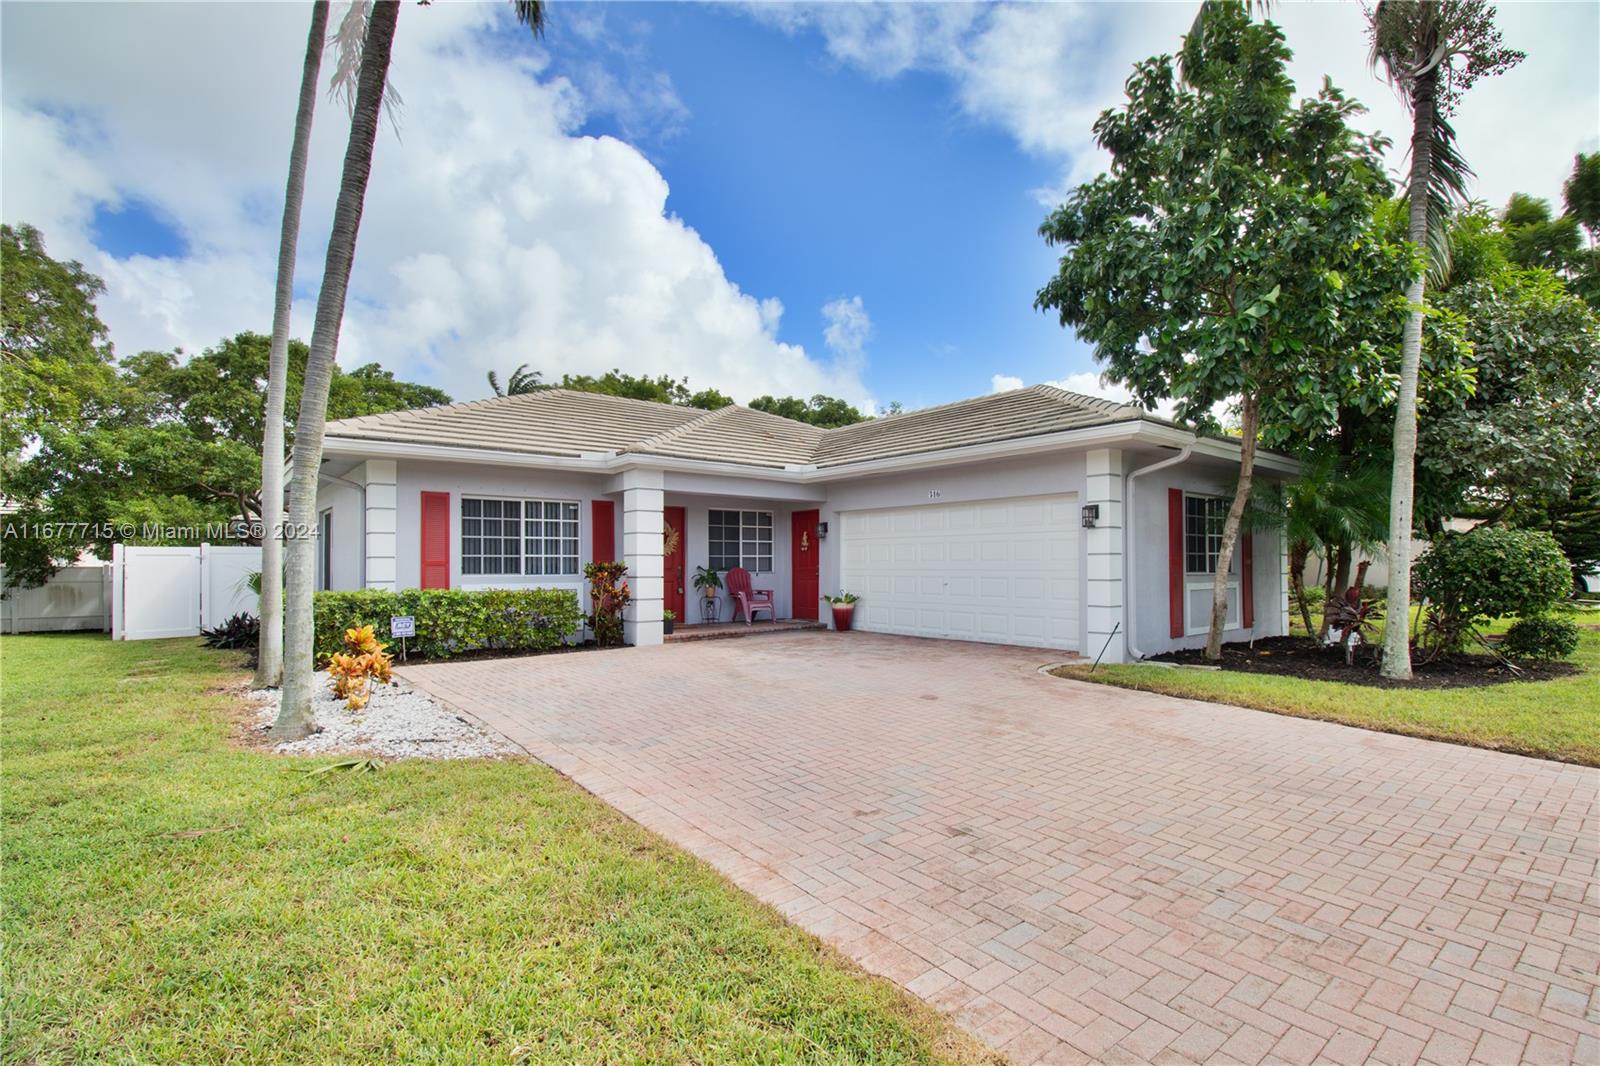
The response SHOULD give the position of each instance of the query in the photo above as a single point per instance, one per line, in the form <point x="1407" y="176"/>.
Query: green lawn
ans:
<point x="1557" y="719"/>
<point x="171" y="897"/>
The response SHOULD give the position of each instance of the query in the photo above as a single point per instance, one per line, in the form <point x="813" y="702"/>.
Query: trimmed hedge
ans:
<point x="453" y="621"/>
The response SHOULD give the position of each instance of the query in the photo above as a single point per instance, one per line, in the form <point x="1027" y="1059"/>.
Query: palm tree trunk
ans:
<point x="1298" y="552"/>
<point x="294" y="714"/>
<point x="1396" y="635"/>
<point x="1230" y="528"/>
<point x="269" y="662"/>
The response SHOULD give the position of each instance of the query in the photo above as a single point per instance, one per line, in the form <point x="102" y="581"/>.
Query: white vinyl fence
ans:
<point x="175" y="592"/>
<point x="77" y="597"/>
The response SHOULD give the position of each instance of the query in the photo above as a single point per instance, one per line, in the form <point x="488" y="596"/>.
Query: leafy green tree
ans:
<point x="1230" y="254"/>
<point x="660" y="389"/>
<point x="1537" y="238"/>
<point x="1581" y="193"/>
<point x="55" y="355"/>
<point x="708" y="399"/>
<point x="828" y="412"/>
<point x="1432" y="51"/>
<point x="172" y="442"/>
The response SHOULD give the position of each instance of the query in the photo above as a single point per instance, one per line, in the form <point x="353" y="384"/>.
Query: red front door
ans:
<point x="675" y="536"/>
<point x="804" y="554"/>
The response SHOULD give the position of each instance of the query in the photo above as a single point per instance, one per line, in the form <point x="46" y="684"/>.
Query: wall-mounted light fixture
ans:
<point x="1091" y="515"/>
<point x="822" y="531"/>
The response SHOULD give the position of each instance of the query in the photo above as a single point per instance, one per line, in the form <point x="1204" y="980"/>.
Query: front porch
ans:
<point x="693" y="531"/>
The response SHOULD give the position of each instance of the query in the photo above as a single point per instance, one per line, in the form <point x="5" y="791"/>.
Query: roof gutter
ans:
<point x="1129" y="541"/>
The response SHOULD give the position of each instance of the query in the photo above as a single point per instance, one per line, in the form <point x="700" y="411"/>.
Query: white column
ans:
<point x="642" y="500"/>
<point x="382" y="496"/>
<point x="1103" y="595"/>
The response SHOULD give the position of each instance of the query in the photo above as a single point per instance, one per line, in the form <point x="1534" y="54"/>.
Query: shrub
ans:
<point x="1541" y="637"/>
<point x="453" y="621"/>
<point x="363" y="659"/>
<point x="1487" y="573"/>
<point x="608" y="595"/>
<point x="240" y="631"/>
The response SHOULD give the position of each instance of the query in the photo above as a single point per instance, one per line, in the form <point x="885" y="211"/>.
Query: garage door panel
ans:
<point x="1000" y="570"/>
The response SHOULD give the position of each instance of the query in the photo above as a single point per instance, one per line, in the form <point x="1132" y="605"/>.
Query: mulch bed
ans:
<point x="1306" y="658"/>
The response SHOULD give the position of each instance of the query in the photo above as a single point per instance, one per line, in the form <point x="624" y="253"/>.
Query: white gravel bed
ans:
<point x="397" y="723"/>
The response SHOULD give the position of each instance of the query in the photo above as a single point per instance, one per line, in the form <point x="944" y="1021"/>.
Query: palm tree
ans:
<point x="294" y="712"/>
<point x="521" y="381"/>
<point x="1431" y="51"/>
<point x="269" y="662"/>
<point x="1332" y="508"/>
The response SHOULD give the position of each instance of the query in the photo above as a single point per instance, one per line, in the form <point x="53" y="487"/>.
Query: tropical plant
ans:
<point x="842" y="599"/>
<point x="1489" y="572"/>
<point x="362" y="662"/>
<point x="608" y="596"/>
<point x="1353" y="618"/>
<point x="1231" y="253"/>
<point x="269" y="661"/>
<point x="1333" y="508"/>
<point x="241" y="631"/>
<point x="1431" y="51"/>
<point x="521" y="382"/>
<point x="294" y="713"/>
<point x="707" y="580"/>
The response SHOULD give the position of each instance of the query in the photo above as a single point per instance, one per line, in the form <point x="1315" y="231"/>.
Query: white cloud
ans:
<point x="492" y="235"/>
<point x="1043" y="72"/>
<point x="849" y="326"/>
<point x="1004" y="383"/>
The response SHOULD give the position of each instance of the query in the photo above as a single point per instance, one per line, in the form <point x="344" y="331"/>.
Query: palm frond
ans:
<point x="531" y="13"/>
<point x="494" y="383"/>
<point x="1446" y="193"/>
<point x="347" y="42"/>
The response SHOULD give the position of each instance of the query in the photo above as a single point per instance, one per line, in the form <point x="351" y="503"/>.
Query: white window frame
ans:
<point x="752" y="534"/>
<point x="1196" y="623"/>
<point x="563" y="564"/>
<point x="325" y="549"/>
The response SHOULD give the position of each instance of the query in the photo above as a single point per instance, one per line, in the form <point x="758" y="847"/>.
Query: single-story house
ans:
<point x="1037" y="517"/>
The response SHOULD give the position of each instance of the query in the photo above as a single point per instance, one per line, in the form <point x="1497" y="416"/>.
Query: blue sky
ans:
<point x="840" y="198"/>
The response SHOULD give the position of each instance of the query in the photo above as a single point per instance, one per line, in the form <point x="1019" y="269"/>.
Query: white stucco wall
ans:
<point x="1145" y="560"/>
<point x="1144" y="547"/>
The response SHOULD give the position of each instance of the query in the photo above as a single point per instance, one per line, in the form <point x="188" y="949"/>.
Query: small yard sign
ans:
<point x="403" y="625"/>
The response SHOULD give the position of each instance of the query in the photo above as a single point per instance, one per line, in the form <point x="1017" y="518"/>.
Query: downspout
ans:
<point x="1129" y="541"/>
<point x="362" y="489"/>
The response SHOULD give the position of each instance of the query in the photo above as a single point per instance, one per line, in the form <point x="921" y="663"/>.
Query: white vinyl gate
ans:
<point x="174" y="592"/>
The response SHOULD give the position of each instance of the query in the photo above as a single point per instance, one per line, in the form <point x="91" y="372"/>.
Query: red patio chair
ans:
<point x="748" y="599"/>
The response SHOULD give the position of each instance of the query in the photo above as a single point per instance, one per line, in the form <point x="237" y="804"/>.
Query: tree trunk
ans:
<point x="1230" y="528"/>
<point x="1396" y="635"/>
<point x="269" y="662"/>
<point x="294" y="715"/>
<point x="1298" y="552"/>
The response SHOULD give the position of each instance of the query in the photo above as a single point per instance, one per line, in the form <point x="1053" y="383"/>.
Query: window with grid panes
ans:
<point x="1203" y="518"/>
<point x="740" y="538"/>
<point x="532" y="537"/>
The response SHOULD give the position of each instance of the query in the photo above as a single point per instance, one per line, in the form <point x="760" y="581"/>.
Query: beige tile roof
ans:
<point x="562" y="422"/>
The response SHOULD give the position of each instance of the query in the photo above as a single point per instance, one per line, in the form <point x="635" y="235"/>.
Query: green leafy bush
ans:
<point x="608" y="594"/>
<point x="1541" y="637"/>
<point x="1490" y="572"/>
<point x="453" y="621"/>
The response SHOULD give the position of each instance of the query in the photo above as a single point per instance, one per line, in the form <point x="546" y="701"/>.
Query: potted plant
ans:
<point x="844" y="609"/>
<point x="667" y="618"/>
<point x="707" y="581"/>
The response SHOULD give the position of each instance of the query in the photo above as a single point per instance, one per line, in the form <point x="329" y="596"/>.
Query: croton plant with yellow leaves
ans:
<point x="363" y="661"/>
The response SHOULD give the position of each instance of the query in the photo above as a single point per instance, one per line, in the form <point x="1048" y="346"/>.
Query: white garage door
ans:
<point x="1002" y="571"/>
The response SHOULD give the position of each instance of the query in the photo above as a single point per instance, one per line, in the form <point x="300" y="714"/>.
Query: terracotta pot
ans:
<point x="842" y="615"/>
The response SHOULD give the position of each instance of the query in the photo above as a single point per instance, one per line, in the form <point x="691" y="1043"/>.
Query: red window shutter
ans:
<point x="1175" y="561"/>
<point x="602" y="531"/>
<point x="1247" y="581"/>
<point x="435" y="540"/>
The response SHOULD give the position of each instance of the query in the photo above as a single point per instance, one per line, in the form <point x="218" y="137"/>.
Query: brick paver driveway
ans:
<point x="1078" y="872"/>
